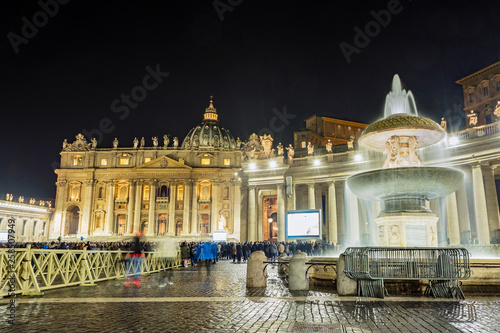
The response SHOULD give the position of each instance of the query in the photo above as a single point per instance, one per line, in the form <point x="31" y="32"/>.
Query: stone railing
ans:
<point x="37" y="270"/>
<point x="478" y="131"/>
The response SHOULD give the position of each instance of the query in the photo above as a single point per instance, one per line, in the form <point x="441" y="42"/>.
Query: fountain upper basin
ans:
<point x="421" y="183"/>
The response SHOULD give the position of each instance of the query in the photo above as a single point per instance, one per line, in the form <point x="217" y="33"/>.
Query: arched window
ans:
<point x="164" y="191"/>
<point x="75" y="192"/>
<point x="145" y="193"/>
<point x="123" y="192"/>
<point x="100" y="194"/>
<point x="180" y="192"/>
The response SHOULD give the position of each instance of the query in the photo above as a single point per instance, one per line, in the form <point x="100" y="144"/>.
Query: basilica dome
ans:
<point x="209" y="134"/>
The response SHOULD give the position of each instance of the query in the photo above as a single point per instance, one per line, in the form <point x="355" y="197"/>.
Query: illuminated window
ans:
<point x="303" y="144"/>
<point x="145" y="193"/>
<point x="227" y="161"/>
<point x="78" y="160"/>
<point x="146" y="206"/>
<point x="124" y="161"/>
<point x="104" y="161"/>
<point x="74" y="192"/>
<point x="147" y="159"/>
<point x="180" y="192"/>
<point x="205" y="161"/>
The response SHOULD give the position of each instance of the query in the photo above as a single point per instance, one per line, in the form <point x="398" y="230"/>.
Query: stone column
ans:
<point x="480" y="210"/>
<point x="452" y="225"/>
<point x="332" y="213"/>
<point x="281" y="212"/>
<point x="491" y="199"/>
<point x="87" y="207"/>
<point x="187" y="206"/>
<point x="194" y="210"/>
<point x="131" y="202"/>
<point x="237" y="209"/>
<point x="215" y="205"/>
<point x="290" y="202"/>
<point x="152" y="209"/>
<point x="138" y="207"/>
<point x="111" y="204"/>
<point x="171" y="210"/>
<point x="463" y="211"/>
<point x="244" y="214"/>
<point x="340" y="212"/>
<point x="260" y="212"/>
<point x="57" y="228"/>
<point x="252" y="214"/>
<point x="311" y="197"/>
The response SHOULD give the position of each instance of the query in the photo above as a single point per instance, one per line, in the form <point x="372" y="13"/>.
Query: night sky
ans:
<point x="69" y="75"/>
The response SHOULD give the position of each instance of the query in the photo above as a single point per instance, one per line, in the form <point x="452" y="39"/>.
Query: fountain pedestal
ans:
<point x="407" y="229"/>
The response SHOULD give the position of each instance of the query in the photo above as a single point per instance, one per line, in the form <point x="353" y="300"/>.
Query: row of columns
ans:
<point x="254" y="211"/>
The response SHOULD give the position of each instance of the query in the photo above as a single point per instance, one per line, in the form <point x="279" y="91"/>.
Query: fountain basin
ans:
<point x="405" y="189"/>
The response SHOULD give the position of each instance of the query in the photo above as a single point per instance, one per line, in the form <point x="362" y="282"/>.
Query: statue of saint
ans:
<point x="472" y="118"/>
<point x="216" y="140"/>
<point x="143" y="142"/>
<point x="222" y="222"/>
<point x="497" y="110"/>
<point x="310" y="148"/>
<point x="329" y="146"/>
<point x="281" y="151"/>
<point x="443" y="123"/>
<point x="226" y="142"/>
<point x="176" y="142"/>
<point x="155" y="141"/>
<point x="266" y="142"/>
<point x="65" y="144"/>
<point x="238" y="143"/>
<point x="166" y="141"/>
<point x="136" y="143"/>
<point x="94" y="142"/>
<point x="290" y="151"/>
<point x="350" y="143"/>
<point x="115" y="143"/>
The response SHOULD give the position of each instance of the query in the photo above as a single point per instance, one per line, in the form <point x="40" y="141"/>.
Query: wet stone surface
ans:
<point x="213" y="298"/>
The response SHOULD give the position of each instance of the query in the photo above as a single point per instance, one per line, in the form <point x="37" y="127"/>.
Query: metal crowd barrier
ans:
<point x="36" y="270"/>
<point x="443" y="267"/>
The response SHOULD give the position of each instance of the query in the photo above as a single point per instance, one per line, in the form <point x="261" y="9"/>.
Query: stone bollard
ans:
<point x="297" y="279"/>
<point x="345" y="285"/>
<point x="282" y="267"/>
<point x="256" y="277"/>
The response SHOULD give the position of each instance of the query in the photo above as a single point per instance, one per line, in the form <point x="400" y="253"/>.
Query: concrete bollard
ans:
<point x="256" y="277"/>
<point x="345" y="285"/>
<point x="297" y="279"/>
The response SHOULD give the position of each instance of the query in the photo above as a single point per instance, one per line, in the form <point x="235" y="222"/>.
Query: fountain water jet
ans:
<point x="404" y="184"/>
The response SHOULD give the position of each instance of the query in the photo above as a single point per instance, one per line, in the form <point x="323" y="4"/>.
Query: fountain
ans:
<point x="404" y="184"/>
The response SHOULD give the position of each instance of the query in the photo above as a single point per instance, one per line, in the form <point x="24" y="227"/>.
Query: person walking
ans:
<point x="135" y="262"/>
<point x="185" y="253"/>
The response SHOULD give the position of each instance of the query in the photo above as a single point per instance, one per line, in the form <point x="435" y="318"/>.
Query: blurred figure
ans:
<point x="185" y="253"/>
<point x="134" y="268"/>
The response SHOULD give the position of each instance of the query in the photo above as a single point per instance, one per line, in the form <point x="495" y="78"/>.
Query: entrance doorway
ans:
<point x="204" y="223"/>
<point x="269" y="218"/>
<point x="122" y="220"/>
<point x="73" y="219"/>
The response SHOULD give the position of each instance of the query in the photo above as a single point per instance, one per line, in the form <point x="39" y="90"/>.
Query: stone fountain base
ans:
<point x="407" y="229"/>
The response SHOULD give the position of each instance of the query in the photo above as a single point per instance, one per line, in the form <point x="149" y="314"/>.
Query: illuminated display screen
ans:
<point x="220" y="236"/>
<point x="303" y="223"/>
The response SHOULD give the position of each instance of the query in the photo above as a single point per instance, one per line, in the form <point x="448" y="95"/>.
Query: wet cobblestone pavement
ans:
<point x="214" y="298"/>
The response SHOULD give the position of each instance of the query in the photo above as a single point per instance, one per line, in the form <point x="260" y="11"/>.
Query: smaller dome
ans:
<point x="209" y="133"/>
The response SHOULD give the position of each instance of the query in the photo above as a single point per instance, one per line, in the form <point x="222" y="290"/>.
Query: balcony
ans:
<point x="162" y="200"/>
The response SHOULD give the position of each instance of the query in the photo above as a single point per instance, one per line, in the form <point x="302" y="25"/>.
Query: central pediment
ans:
<point x="163" y="162"/>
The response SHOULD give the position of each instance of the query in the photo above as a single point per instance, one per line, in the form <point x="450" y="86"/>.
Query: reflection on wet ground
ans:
<point x="214" y="298"/>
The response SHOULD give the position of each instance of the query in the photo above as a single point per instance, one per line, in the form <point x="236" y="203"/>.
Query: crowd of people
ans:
<point x="192" y="252"/>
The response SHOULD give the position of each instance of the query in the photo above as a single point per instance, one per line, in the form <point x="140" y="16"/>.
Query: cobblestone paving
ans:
<point x="214" y="299"/>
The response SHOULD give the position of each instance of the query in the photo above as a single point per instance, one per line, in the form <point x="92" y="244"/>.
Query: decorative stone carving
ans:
<point x="163" y="163"/>
<point x="205" y="139"/>
<point x="78" y="145"/>
<point x="497" y="110"/>
<point x="329" y="146"/>
<point x="115" y="143"/>
<point x="238" y="143"/>
<point x="310" y="148"/>
<point x="32" y="201"/>
<point x="472" y="118"/>
<point x="226" y="142"/>
<point x="187" y="144"/>
<point x="94" y="143"/>
<point x="143" y="142"/>
<point x="281" y="151"/>
<point x="196" y="141"/>
<point x="395" y="237"/>
<point x="266" y="141"/>
<point x="136" y="143"/>
<point x="21" y="199"/>
<point x="392" y="147"/>
<point x="155" y="141"/>
<point x="216" y="140"/>
<point x="414" y="159"/>
<point x="443" y="123"/>
<point x="176" y="142"/>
